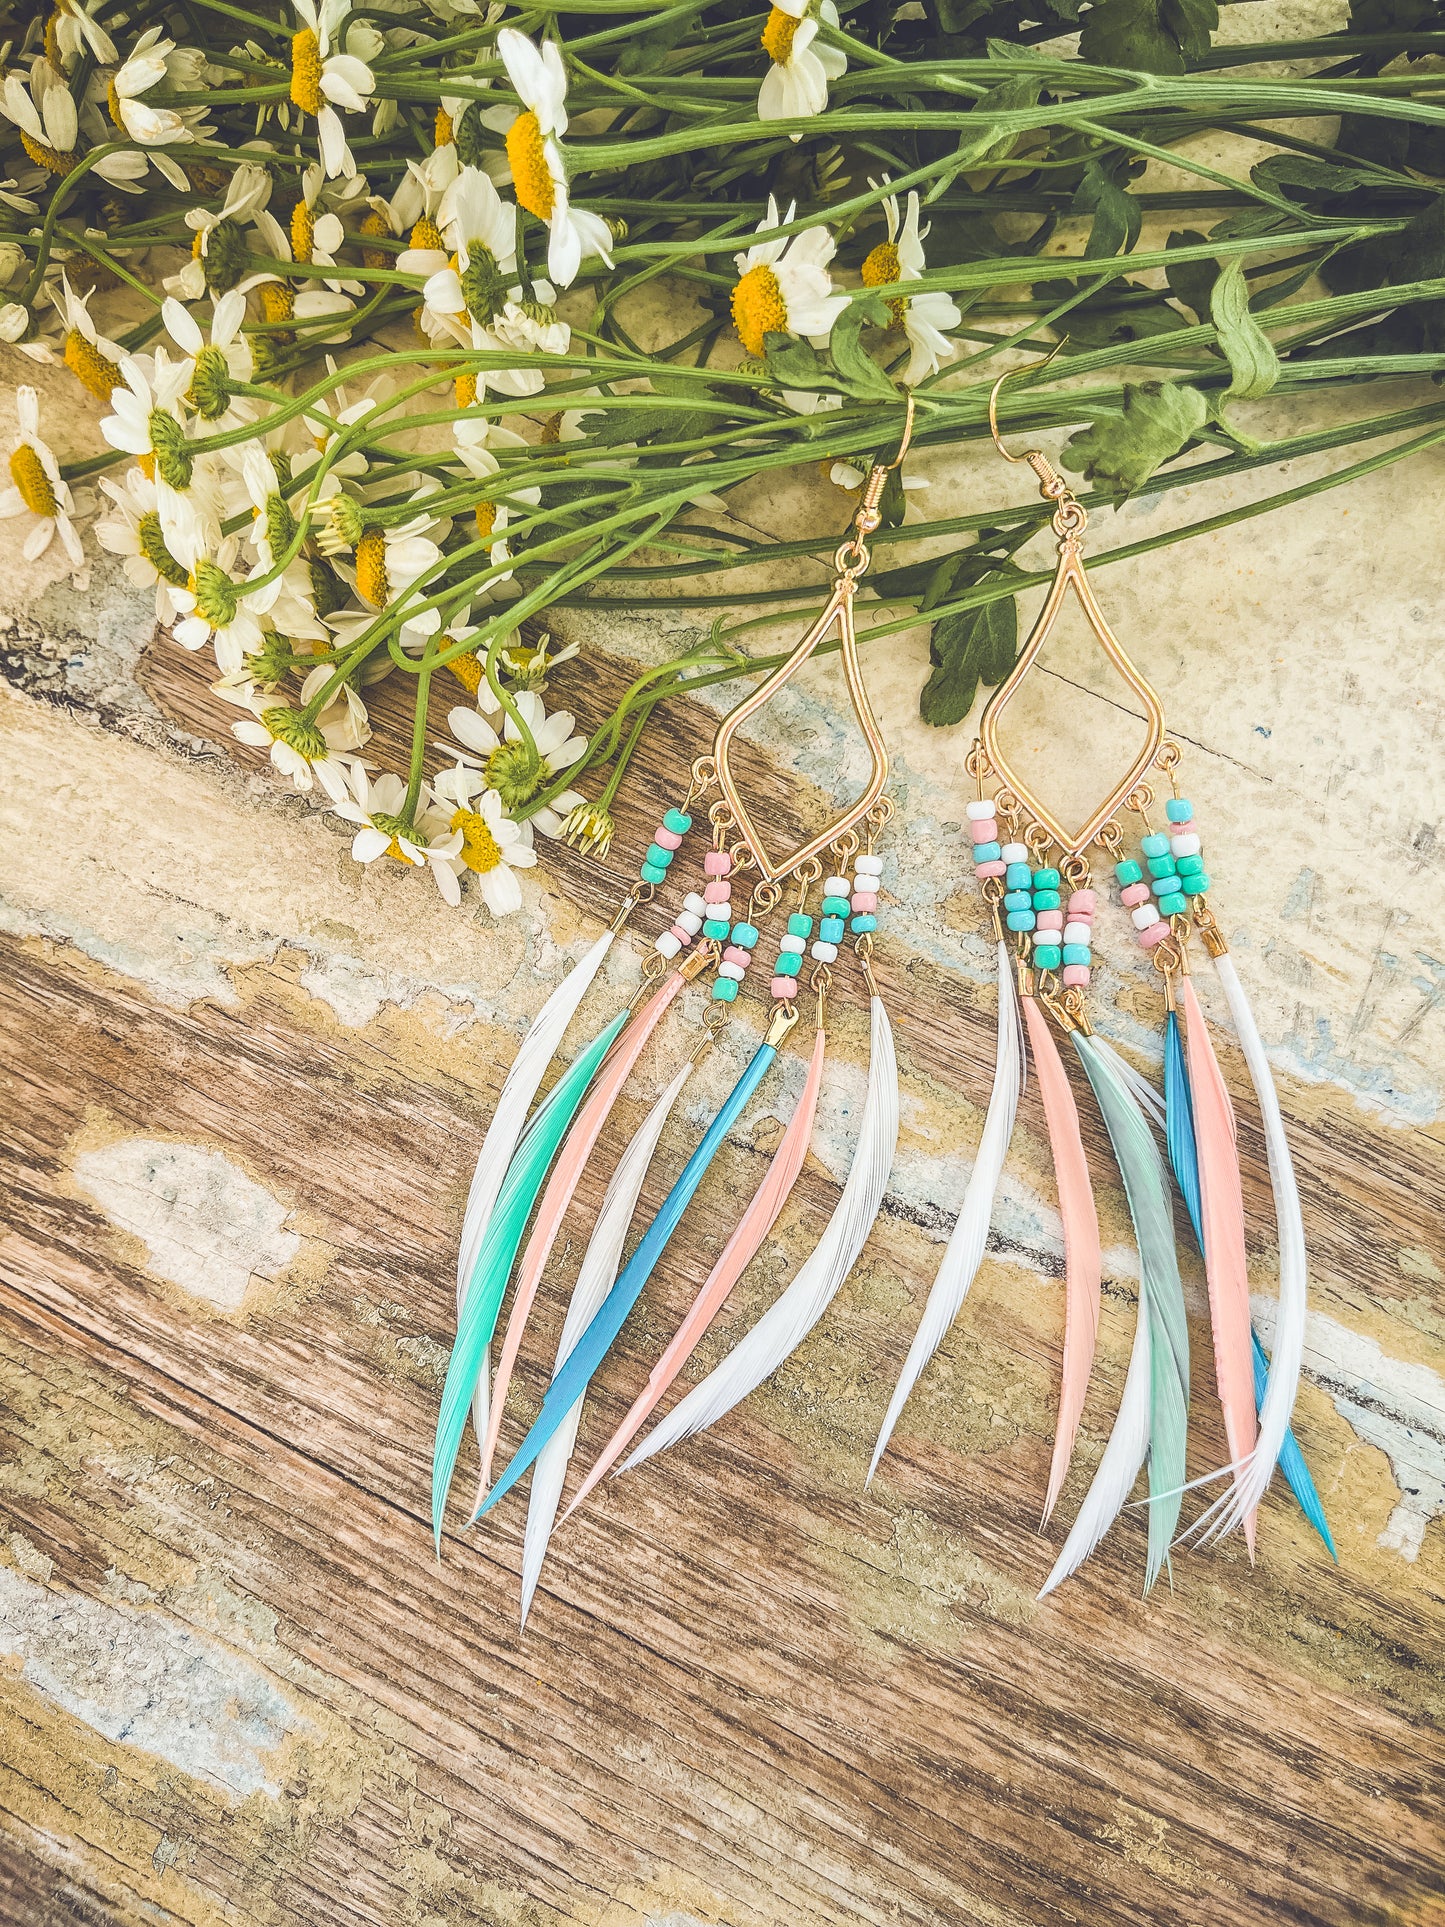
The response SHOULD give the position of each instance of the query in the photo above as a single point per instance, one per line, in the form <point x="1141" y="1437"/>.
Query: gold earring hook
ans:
<point x="907" y="442"/>
<point x="1029" y="368"/>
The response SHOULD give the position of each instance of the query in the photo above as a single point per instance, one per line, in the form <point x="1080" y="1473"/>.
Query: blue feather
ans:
<point x="1179" y="1132"/>
<point x="574" y="1375"/>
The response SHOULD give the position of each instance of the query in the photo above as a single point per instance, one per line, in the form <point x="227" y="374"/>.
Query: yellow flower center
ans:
<point x="303" y="233"/>
<point x="146" y="463"/>
<point x="426" y="234"/>
<point x="467" y="669"/>
<point x="112" y="104"/>
<point x="97" y="371"/>
<point x="759" y="308"/>
<point x="50" y="158"/>
<point x="486" y="520"/>
<point x="464" y="387"/>
<point x="27" y="471"/>
<point x="480" y="850"/>
<point x="531" y="176"/>
<point x="777" y="36"/>
<point x="443" y="133"/>
<point x="198" y="246"/>
<point x="306" y="71"/>
<point x="371" y="579"/>
<point x="53" y="52"/>
<point x="278" y="303"/>
<point x="551" y="433"/>
<point x="375" y="224"/>
<point x="881" y="270"/>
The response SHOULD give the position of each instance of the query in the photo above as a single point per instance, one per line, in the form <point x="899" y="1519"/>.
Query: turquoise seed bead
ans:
<point x="653" y="873"/>
<point x="745" y="936"/>
<point x="716" y="928"/>
<point x="1019" y="876"/>
<point x="799" y="925"/>
<point x="1191" y="866"/>
<point x="1128" y="872"/>
<point x="1174" y="905"/>
<point x="725" y="990"/>
<point x="830" y="929"/>
<point x="657" y="856"/>
<point x="1047" y="956"/>
<point x="789" y="963"/>
<point x="1076" y="953"/>
<point x="1194" y="886"/>
<point x="1155" y="844"/>
<point x="1046" y="879"/>
<point x="678" y="821"/>
<point x="1046" y="899"/>
<point x="1018" y="900"/>
<point x="1021" y="919"/>
<point x="835" y="906"/>
<point x="1179" y="809"/>
<point x="863" y="924"/>
<point x="1161" y="866"/>
<point x="987" y="852"/>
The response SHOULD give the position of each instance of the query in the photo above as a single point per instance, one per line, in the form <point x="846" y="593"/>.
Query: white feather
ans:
<point x="965" y="1249"/>
<point x="595" y="1279"/>
<point x="787" y="1322"/>
<point x="1150" y="1101"/>
<point x="1234" y="1506"/>
<point x="1123" y="1458"/>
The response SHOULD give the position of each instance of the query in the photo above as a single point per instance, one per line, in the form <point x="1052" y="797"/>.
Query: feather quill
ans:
<point x="754" y="1225"/>
<point x="575" y="1374"/>
<point x="965" y="1249"/>
<point x="594" y="1280"/>
<point x="787" y="1322"/>
<point x="467" y="1368"/>
<point x="1083" y="1264"/>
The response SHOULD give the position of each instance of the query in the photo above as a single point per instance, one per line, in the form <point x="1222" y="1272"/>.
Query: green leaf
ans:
<point x="1319" y="178"/>
<point x="1117" y="214"/>
<point x="859" y="372"/>
<point x="969" y="647"/>
<point x="1150" y="36"/>
<point x="1415" y="253"/>
<point x="1253" y="363"/>
<point x="1020" y="90"/>
<point x="796" y="364"/>
<point x="1123" y="450"/>
<point x="1190" y="282"/>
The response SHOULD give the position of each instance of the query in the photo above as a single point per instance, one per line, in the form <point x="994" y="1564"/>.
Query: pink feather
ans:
<point x="754" y="1225"/>
<point x="566" y="1174"/>
<point x="1083" y="1264"/>
<point x="1225" y="1262"/>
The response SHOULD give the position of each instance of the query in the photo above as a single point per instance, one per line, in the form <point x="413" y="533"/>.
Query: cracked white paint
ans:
<point x="139" y="1679"/>
<point x="206" y="1226"/>
<point x="1390" y="1403"/>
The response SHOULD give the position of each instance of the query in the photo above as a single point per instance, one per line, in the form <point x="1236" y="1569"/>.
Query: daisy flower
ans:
<point x="508" y="763"/>
<point x="922" y="317"/>
<point x="76" y="33"/>
<point x="424" y="839"/>
<point x="388" y="561"/>
<point x="797" y="82"/>
<point x="135" y="534"/>
<point x="480" y="228"/>
<point x="92" y="357"/>
<point x="46" y="116"/>
<point x="147" y="424"/>
<point x="416" y="205"/>
<point x="36" y="487"/>
<point x="216" y="363"/>
<point x="151" y="61"/>
<point x="493" y="846"/>
<point x="784" y="287"/>
<point x="246" y="196"/>
<point x="534" y="153"/>
<point x="305" y="753"/>
<point x="328" y="71"/>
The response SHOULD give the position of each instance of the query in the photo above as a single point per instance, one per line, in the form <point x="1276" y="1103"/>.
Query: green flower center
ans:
<point x="225" y="256"/>
<point x="289" y="726"/>
<point x="515" y="773"/>
<point x="216" y="597"/>
<point x="172" y="452"/>
<point x="484" y="286"/>
<point x="396" y="827"/>
<point x="210" y="390"/>
<point x="151" y="538"/>
<point x="280" y="524"/>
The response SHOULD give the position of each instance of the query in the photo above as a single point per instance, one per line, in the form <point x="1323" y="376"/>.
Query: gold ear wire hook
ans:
<point x="1029" y="368"/>
<point x="907" y="442"/>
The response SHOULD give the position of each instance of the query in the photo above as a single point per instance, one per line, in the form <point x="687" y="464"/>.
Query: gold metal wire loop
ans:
<point x="1028" y="368"/>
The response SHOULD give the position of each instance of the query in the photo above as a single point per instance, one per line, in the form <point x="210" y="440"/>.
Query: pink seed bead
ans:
<point x="717" y="892"/>
<point x="666" y="839"/>
<point x="785" y="986"/>
<point x="733" y="955"/>
<point x="1183" y="829"/>
<point x="717" y="863"/>
<point x="1051" y="920"/>
<point x="984" y="831"/>
<point x="1081" y="904"/>
<point x="995" y="869"/>
<point x="1076" y="976"/>
<point x="1156" y="933"/>
<point x="864" y="903"/>
<point x="1134" y="893"/>
<point x="684" y="937"/>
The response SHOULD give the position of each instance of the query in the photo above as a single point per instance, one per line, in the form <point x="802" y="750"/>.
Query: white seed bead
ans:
<point x="1145" y="916"/>
<point x="795" y="944"/>
<point x="981" y="811"/>
<point x="872" y="866"/>
<point x="1014" y="853"/>
<point x="688" y="920"/>
<point x="835" y="887"/>
<point x="695" y="906"/>
<point x="825" y="952"/>
<point x="735" y="971"/>
<point x="1187" y="845"/>
<point x="1078" y="933"/>
<point x="667" y="945"/>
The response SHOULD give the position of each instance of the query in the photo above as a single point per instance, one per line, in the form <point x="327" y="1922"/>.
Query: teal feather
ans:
<point x="1161" y="1297"/>
<point x="493" y="1267"/>
<point x="1179" y="1132"/>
